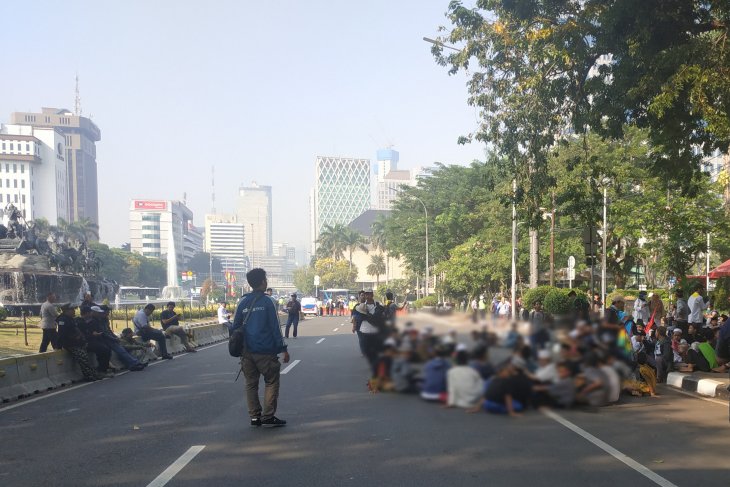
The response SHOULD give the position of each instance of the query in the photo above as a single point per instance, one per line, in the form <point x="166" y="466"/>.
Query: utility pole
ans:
<point x="552" y="243"/>
<point x="534" y="257"/>
<point x="513" y="286"/>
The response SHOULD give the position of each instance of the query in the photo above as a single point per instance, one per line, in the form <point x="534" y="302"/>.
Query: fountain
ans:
<point x="31" y="267"/>
<point x="172" y="291"/>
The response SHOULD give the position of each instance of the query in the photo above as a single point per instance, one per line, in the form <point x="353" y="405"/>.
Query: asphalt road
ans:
<point x="185" y="421"/>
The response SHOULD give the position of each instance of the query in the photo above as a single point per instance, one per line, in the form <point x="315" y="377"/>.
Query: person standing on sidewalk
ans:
<point x="293" y="308"/>
<point x="49" y="313"/>
<point x="262" y="345"/>
<point x="697" y="307"/>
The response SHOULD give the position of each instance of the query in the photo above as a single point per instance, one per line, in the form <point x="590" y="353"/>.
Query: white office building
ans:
<point x="225" y="239"/>
<point x="341" y="192"/>
<point x="391" y="179"/>
<point x="33" y="173"/>
<point x="153" y="222"/>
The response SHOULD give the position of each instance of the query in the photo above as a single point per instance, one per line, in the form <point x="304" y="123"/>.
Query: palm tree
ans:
<point x="376" y="268"/>
<point x="331" y="241"/>
<point x="379" y="241"/>
<point x="354" y="240"/>
<point x="85" y="229"/>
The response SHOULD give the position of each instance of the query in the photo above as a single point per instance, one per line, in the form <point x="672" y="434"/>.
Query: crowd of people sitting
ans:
<point x="91" y="333"/>
<point x="589" y="365"/>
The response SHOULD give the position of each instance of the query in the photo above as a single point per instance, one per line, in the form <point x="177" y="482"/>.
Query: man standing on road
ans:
<point x="697" y="307"/>
<point x="263" y="344"/>
<point x="48" y="323"/>
<point x="145" y="331"/>
<point x="293" y="308"/>
<point x="171" y="325"/>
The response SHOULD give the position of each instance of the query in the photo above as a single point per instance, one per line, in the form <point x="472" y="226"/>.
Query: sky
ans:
<point x="256" y="89"/>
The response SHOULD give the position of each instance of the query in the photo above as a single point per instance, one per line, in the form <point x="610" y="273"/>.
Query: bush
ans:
<point x="426" y="301"/>
<point x="534" y="295"/>
<point x="3" y="313"/>
<point x="557" y="301"/>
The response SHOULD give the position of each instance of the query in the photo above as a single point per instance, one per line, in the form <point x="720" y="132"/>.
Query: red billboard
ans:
<point x="150" y="205"/>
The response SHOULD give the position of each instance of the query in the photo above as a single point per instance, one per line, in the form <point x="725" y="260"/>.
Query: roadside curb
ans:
<point x="699" y="385"/>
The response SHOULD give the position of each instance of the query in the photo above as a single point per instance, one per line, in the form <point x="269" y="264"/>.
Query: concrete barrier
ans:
<point x="33" y="372"/>
<point x="11" y="388"/>
<point x="63" y="369"/>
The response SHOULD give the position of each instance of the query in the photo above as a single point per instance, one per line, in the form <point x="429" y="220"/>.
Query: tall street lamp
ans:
<point x="425" y="211"/>
<point x="605" y="182"/>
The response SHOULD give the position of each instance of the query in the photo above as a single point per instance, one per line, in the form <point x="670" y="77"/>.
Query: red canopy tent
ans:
<point x="723" y="270"/>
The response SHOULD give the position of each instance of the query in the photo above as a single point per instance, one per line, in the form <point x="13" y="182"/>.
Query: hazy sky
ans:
<point x="257" y="89"/>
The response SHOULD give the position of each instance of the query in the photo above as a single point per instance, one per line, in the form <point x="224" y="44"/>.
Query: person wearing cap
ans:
<point x="546" y="371"/>
<point x="73" y="341"/>
<point x="171" y="326"/>
<point x="101" y="316"/>
<point x="141" y="321"/>
<point x="95" y="342"/>
<point x="697" y="307"/>
<point x="49" y="312"/>
<point x="293" y="308"/>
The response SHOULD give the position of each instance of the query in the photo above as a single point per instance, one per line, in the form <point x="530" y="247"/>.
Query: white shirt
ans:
<point x="503" y="308"/>
<point x="548" y="373"/>
<point x="222" y="315"/>
<point x="637" y="345"/>
<point x="48" y="316"/>
<point x="641" y="310"/>
<point x="367" y="327"/>
<point x="696" y="306"/>
<point x="140" y="319"/>
<point x="614" y="383"/>
<point x="465" y="386"/>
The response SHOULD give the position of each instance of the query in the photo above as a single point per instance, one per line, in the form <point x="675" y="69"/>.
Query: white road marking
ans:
<point x="176" y="466"/>
<point x="630" y="462"/>
<point x="335" y="329"/>
<point x="319" y="341"/>
<point x="290" y="366"/>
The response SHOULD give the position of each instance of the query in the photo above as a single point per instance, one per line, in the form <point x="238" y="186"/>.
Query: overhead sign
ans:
<point x="150" y="205"/>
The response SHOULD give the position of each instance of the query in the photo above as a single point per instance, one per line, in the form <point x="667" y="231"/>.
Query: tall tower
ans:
<point x="254" y="210"/>
<point x="341" y="192"/>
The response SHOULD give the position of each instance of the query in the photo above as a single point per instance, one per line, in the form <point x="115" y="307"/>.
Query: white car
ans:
<point x="309" y="306"/>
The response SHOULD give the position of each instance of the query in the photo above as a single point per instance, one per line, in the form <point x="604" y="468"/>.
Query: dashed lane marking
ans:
<point x="335" y="329"/>
<point x="319" y="341"/>
<point x="630" y="462"/>
<point x="289" y="367"/>
<point x="176" y="466"/>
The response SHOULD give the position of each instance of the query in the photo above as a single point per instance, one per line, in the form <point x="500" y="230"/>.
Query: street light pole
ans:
<point x="603" y="257"/>
<point x="513" y="284"/>
<point x="552" y="243"/>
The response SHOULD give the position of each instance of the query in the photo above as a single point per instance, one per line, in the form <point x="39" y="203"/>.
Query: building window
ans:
<point x="15" y="168"/>
<point x="22" y="199"/>
<point x="15" y="198"/>
<point x="27" y="147"/>
<point x="15" y="183"/>
<point x="3" y="145"/>
<point x="12" y="146"/>
<point x="22" y="183"/>
<point x="22" y="169"/>
<point x="7" y="183"/>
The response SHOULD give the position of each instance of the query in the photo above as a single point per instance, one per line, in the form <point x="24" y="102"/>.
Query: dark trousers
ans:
<point x="102" y="351"/>
<point x="50" y="335"/>
<point x="79" y="354"/>
<point x="293" y="319"/>
<point x="371" y="344"/>
<point x="149" y="333"/>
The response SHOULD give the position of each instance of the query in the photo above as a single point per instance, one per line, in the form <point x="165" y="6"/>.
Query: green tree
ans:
<point x="335" y="273"/>
<point x="304" y="279"/>
<point x="354" y="240"/>
<point x="332" y="241"/>
<point x="376" y="267"/>
<point x="200" y="264"/>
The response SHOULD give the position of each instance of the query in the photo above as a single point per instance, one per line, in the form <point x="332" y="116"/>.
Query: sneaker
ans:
<point x="273" y="422"/>
<point x="256" y="422"/>
<point x="167" y="357"/>
<point x="137" y="367"/>
<point x="191" y="350"/>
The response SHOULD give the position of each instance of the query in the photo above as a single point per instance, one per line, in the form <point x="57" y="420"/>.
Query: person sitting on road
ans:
<point x="593" y="389"/>
<point x="383" y="381"/>
<point x="101" y="318"/>
<point x="465" y="385"/>
<point x="560" y="393"/>
<point x="546" y="372"/>
<point x="480" y="362"/>
<point x="402" y="371"/>
<point x="434" y="376"/>
<point x="171" y="326"/>
<point x="498" y="397"/>
<point x="140" y="351"/>
<point x="95" y="342"/>
<point x="145" y="331"/>
<point x="513" y="337"/>
<point x="73" y="341"/>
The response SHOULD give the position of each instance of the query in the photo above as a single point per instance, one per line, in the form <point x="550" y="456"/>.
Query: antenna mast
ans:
<point x="212" y="189"/>
<point x="77" y="100"/>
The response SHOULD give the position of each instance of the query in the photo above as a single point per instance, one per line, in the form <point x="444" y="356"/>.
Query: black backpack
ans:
<point x="237" y="339"/>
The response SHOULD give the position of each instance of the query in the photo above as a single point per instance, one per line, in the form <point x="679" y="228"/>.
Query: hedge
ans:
<point x="557" y="301"/>
<point x="535" y="294"/>
<point x="431" y="300"/>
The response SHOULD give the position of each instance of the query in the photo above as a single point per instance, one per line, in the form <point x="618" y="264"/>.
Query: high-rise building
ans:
<point x="253" y="210"/>
<point x="341" y="192"/>
<point x="81" y="135"/>
<point x="280" y="267"/>
<point x="224" y="239"/>
<point x="33" y="172"/>
<point x="151" y="222"/>
<point x="390" y="179"/>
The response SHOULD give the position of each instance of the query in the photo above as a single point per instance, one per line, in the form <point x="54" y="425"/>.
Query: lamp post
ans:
<point x="604" y="237"/>
<point x="425" y="211"/>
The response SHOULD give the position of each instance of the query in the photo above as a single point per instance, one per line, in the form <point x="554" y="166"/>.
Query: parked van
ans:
<point x="309" y="306"/>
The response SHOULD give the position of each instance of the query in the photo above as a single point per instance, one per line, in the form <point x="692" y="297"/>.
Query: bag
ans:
<point x="237" y="339"/>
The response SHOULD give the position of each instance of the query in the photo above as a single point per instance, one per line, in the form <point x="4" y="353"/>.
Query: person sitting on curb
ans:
<point x="101" y="317"/>
<point x="145" y="331"/>
<point x="94" y="340"/>
<point x="171" y="326"/>
<point x="498" y="397"/>
<point x="140" y="351"/>
<point x="73" y="341"/>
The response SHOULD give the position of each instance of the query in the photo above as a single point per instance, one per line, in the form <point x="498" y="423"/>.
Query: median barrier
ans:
<point x="33" y="372"/>
<point x="11" y="387"/>
<point x="202" y="335"/>
<point x="174" y="344"/>
<point x="63" y="369"/>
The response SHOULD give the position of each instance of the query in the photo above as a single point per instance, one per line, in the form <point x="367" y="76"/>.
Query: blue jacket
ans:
<point x="434" y="375"/>
<point x="262" y="332"/>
